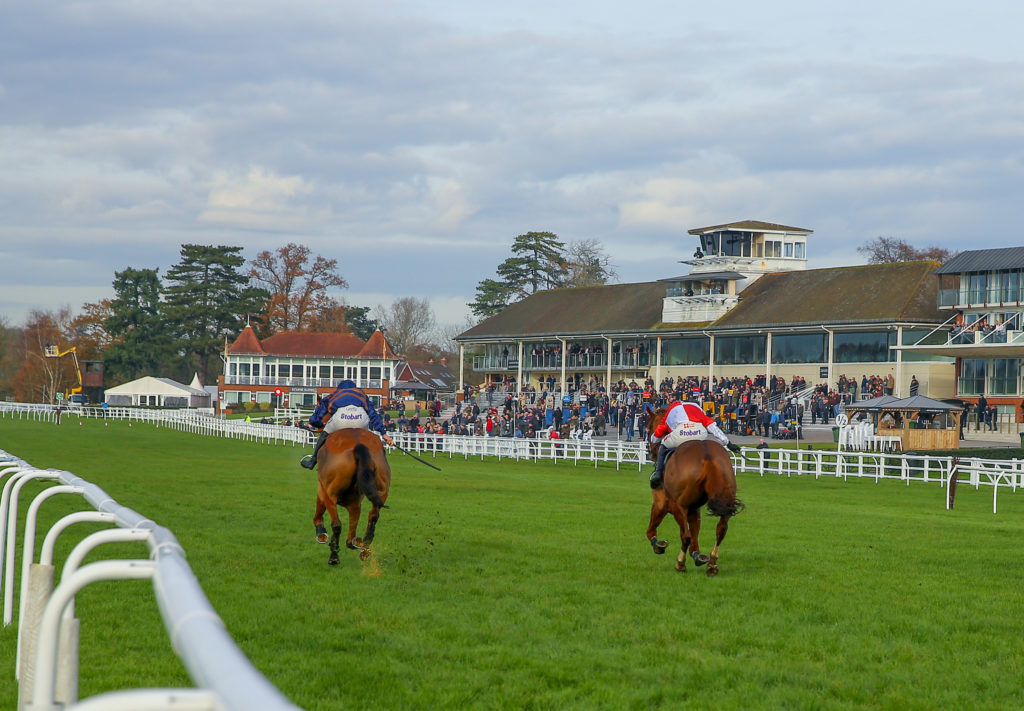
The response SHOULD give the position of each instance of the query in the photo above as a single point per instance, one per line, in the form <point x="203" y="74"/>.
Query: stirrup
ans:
<point x="307" y="462"/>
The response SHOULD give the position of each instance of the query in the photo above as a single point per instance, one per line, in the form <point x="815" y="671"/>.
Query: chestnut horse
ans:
<point x="699" y="472"/>
<point x="351" y="464"/>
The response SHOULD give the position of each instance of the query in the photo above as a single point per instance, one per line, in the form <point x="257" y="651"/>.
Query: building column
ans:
<point x="830" y="363"/>
<point x="899" y="363"/>
<point x="657" y="364"/>
<point x="519" y="369"/>
<point x="462" y="370"/>
<point x="768" y="358"/>
<point x="711" y="358"/>
<point x="608" y="368"/>
<point x="562" y="341"/>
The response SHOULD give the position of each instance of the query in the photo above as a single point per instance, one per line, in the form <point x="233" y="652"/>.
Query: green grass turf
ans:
<point x="530" y="585"/>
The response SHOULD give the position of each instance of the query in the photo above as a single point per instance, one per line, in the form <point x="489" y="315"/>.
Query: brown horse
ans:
<point x="699" y="472"/>
<point x="351" y="464"/>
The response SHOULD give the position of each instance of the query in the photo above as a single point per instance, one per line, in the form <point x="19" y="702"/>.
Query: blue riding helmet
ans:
<point x="346" y="384"/>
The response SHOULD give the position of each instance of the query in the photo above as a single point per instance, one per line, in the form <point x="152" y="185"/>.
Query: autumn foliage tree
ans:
<point x="297" y="283"/>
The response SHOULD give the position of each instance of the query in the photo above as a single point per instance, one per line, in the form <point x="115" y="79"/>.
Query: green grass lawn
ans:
<point x="523" y="585"/>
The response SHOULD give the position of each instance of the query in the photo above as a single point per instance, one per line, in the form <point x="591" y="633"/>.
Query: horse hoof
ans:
<point x="321" y="538"/>
<point x="364" y="554"/>
<point x="712" y="571"/>
<point x="660" y="547"/>
<point x="333" y="560"/>
<point x="700" y="559"/>
<point x="680" y="568"/>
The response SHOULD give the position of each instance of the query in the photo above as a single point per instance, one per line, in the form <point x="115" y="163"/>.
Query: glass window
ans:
<point x="325" y="372"/>
<point x="311" y="371"/>
<point x="244" y="368"/>
<point x="972" y="376"/>
<point x="263" y="396"/>
<point x="339" y="372"/>
<point x="919" y="336"/>
<point x="788" y="249"/>
<point x="740" y="350"/>
<point x="977" y="288"/>
<point x="799" y="348"/>
<point x="1005" y="376"/>
<point x="685" y="351"/>
<point x="271" y="370"/>
<point x="772" y="248"/>
<point x="374" y="372"/>
<point x="800" y="250"/>
<point x="862" y="347"/>
<point x="736" y="244"/>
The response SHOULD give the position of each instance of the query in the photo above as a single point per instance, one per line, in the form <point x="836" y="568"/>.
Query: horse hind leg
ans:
<point x="720" y="531"/>
<point x="693" y="519"/>
<point x="659" y="509"/>
<point x="335" y="544"/>
<point x="318" y="521"/>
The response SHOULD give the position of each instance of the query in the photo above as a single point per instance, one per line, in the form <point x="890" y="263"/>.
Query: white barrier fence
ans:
<point x="999" y="474"/>
<point x="47" y="660"/>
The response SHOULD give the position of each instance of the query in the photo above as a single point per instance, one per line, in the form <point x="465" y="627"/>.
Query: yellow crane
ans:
<point x="55" y="352"/>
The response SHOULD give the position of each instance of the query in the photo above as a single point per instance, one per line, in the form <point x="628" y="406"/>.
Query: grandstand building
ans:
<point x="293" y="369"/>
<point x="748" y="306"/>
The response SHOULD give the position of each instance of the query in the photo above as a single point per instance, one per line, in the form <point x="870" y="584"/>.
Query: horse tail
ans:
<point x="366" y="475"/>
<point x="723" y="504"/>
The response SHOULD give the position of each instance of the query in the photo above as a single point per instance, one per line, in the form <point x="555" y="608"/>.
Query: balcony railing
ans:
<point x="296" y="382"/>
<point x="993" y="296"/>
<point x="574" y="361"/>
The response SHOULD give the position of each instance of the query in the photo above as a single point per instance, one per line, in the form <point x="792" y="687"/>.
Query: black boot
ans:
<point x="659" y="467"/>
<point x="309" y="461"/>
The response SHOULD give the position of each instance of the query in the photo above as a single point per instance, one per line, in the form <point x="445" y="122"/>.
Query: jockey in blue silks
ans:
<point x="346" y="408"/>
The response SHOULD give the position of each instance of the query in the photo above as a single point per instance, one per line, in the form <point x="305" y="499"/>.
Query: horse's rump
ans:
<point x="699" y="471"/>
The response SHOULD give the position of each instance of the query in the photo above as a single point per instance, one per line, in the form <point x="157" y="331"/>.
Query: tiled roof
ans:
<point x="377" y="347"/>
<point x="312" y="345"/>
<point x="749" y="226"/>
<point x="902" y="291"/>
<point x="598" y="309"/>
<point x="246" y="344"/>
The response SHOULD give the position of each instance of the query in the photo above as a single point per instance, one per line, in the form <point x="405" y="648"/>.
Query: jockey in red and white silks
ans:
<point x="685" y="421"/>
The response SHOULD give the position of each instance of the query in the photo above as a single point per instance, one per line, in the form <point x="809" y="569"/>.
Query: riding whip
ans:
<point x="422" y="461"/>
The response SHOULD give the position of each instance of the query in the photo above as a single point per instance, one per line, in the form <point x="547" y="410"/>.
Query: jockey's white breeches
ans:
<point x="346" y="418"/>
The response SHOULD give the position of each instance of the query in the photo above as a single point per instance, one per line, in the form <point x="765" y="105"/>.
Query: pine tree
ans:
<point x="207" y="301"/>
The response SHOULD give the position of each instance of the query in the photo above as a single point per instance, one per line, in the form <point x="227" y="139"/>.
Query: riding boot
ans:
<point x="309" y="461"/>
<point x="659" y="467"/>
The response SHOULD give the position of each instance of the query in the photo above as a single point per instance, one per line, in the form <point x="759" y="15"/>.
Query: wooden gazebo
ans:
<point x="920" y="422"/>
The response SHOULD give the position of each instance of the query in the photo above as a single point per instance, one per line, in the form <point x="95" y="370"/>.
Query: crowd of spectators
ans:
<point x="763" y="406"/>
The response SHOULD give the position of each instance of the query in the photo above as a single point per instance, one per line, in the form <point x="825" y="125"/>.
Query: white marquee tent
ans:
<point x="158" y="392"/>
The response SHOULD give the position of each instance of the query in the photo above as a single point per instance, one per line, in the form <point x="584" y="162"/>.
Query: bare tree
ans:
<point x="885" y="250"/>
<point x="409" y="323"/>
<point x="588" y="264"/>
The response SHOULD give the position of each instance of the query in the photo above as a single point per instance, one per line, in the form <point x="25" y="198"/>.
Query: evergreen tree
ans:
<point x="208" y="300"/>
<point x="359" y="321"/>
<point x="538" y="262"/>
<point x="140" y="343"/>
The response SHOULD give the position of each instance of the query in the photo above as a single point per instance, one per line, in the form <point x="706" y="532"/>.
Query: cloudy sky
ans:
<point x="412" y="141"/>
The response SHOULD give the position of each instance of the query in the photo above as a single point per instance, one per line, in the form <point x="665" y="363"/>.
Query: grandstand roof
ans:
<point x="615" y="308"/>
<point x="749" y="226"/>
<point x="869" y="294"/>
<point x="983" y="260"/>
<point x="902" y="291"/>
